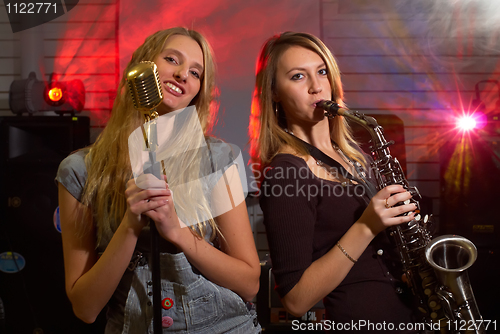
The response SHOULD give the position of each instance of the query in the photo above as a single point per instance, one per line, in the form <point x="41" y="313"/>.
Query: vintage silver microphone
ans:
<point x="145" y="88"/>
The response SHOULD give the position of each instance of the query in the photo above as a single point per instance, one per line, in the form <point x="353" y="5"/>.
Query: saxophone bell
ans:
<point x="451" y="256"/>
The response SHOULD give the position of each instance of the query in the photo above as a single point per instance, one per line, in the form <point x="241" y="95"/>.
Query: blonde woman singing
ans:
<point x="209" y="270"/>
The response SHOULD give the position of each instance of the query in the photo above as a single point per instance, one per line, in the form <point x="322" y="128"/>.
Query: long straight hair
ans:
<point x="268" y="120"/>
<point x="108" y="162"/>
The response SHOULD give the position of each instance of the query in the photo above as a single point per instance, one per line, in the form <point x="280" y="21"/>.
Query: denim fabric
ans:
<point x="199" y="306"/>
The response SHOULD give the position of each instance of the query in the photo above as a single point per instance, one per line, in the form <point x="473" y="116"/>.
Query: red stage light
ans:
<point x="31" y="95"/>
<point x="55" y="94"/>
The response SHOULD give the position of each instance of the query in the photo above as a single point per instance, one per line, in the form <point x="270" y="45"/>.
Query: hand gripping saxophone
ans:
<point x="435" y="268"/>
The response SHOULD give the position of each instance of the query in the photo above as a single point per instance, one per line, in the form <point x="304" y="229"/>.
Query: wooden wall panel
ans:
<point x="78" y="45"/>
<point x="417" y="60"/>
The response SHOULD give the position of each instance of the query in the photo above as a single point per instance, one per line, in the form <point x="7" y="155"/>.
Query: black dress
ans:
<point x="305" y="216"/>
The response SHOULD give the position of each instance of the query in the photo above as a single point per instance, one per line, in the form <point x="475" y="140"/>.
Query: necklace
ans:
<point x="357" y="166"/>
<point x="334" y="171"/>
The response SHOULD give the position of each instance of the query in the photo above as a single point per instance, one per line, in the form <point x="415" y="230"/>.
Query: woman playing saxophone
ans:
<point x="324" y="225"/>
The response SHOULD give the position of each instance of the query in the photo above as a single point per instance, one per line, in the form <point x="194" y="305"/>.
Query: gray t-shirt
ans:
<point x="72" y="173"/>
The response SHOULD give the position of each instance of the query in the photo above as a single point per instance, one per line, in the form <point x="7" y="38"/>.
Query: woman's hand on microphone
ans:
<point x="144" y="194"/>
<point x="381" y="212"/>
<point x="168" y="224"/>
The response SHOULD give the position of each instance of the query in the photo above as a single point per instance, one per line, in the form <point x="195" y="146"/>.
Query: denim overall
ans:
<point x="197" y="305"/>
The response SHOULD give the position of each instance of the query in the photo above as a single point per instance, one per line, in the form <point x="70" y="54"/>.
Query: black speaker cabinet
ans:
<point x="470" y="180"/>
<point x="273" y="317"/>
<point x="31" y="260"/>
<point x="483" y="275"/>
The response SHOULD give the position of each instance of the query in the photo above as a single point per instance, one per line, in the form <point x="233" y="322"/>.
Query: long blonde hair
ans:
<point x="108" y="163"/>
<point x="266" y="130"/>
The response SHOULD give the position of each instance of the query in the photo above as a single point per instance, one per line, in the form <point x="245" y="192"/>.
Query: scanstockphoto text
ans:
<point x="364" y="325"/>
<point x="296" y="187"/>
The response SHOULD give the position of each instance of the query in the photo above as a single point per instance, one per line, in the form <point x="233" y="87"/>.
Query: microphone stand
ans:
<point x="145" y="87"/>
<point x="154" y="167"/>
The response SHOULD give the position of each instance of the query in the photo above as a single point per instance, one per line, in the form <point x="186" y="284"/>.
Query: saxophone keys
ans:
<point x="434" y="303"/>
<point x="422" y="310"/>
<point x="428" y="283"/>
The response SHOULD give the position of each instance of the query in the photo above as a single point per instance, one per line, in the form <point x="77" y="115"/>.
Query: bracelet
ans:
<point x="345" y="253"/>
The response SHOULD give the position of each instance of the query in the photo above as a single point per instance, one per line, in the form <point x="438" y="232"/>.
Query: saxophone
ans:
<point x="435" y="269"/>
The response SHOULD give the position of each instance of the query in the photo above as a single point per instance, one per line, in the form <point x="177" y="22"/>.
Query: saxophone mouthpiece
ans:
<point x="331" y="108"/>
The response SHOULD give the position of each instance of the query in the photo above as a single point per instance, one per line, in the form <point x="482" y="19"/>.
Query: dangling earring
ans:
<point x="276" y="109"/>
